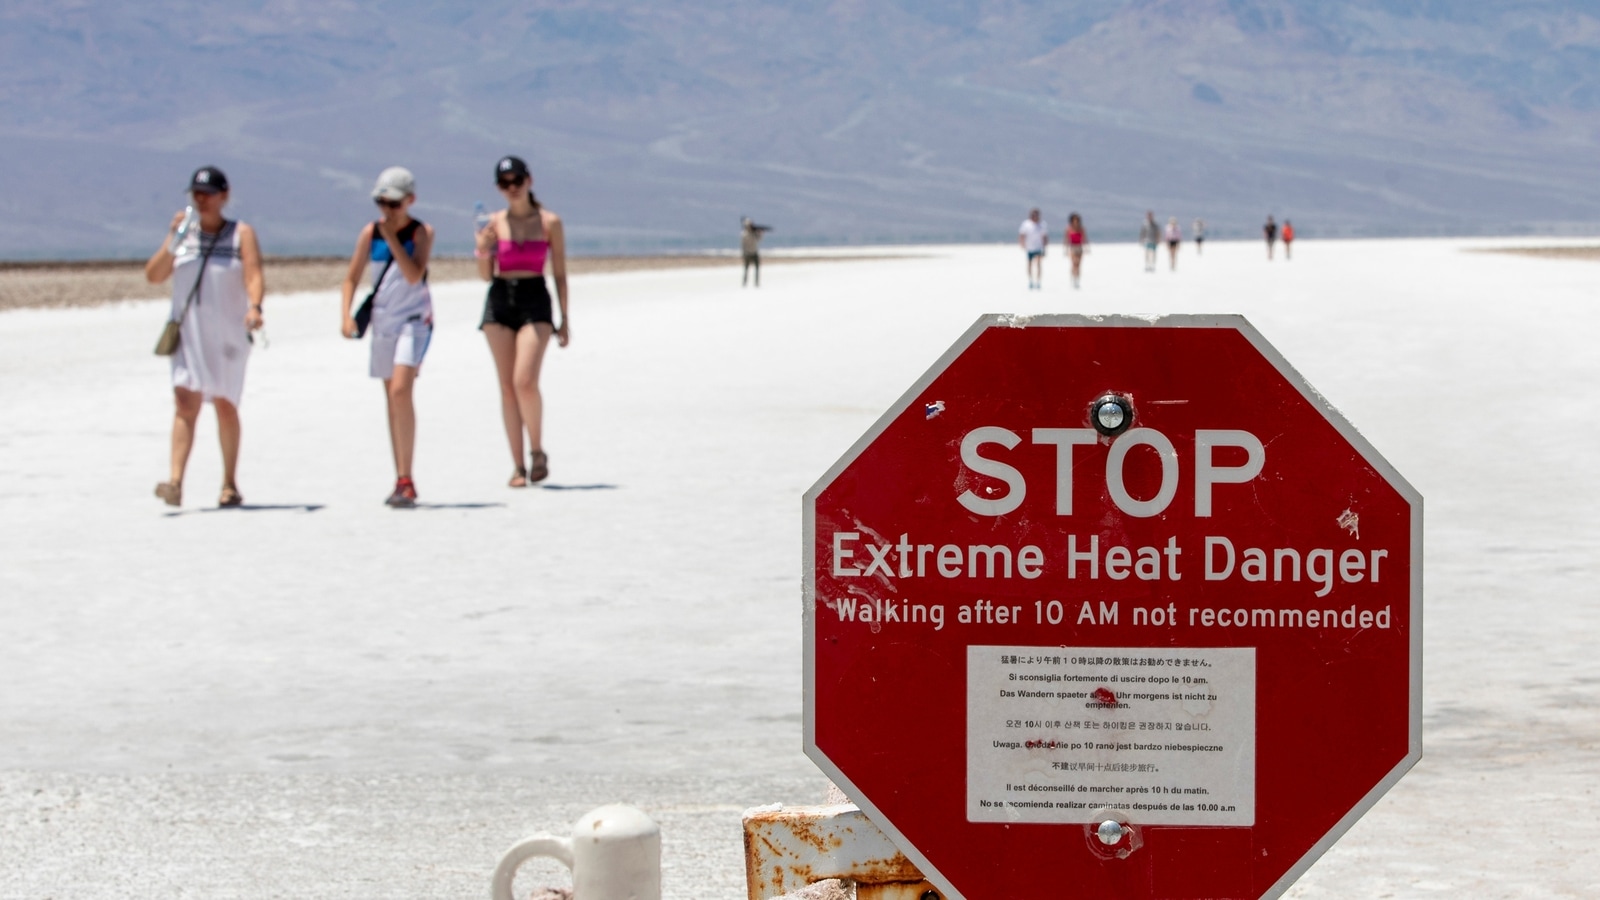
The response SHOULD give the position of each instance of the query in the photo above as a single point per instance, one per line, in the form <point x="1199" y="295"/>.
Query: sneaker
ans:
<point x="404" y="496"/>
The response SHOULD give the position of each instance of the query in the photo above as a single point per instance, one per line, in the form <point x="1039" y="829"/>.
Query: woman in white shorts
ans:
<point x="397" y="247"/>
<point x="217" y="288"/>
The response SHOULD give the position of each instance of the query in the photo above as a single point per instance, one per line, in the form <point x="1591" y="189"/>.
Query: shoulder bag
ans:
<point x="172" y="333"/>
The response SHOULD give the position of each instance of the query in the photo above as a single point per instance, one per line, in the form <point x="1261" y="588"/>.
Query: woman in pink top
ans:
<point x="1076" y="239"/>
<point x="512" y="251"/>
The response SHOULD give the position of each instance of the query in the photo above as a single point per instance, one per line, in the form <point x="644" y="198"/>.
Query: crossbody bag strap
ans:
<point x="405" y="234"/>
<point x="378" y="282"/>
<point x="199" y="277"/>
<point x="381" y="272"/>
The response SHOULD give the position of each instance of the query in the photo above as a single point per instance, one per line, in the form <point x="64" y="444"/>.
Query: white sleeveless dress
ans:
<point x="215" y="343"/>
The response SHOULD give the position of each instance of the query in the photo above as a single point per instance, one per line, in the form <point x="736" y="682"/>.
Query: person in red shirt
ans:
<point x="1288" y="239"/>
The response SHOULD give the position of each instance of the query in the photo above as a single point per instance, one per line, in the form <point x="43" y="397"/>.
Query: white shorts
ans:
<point x="404" y="345"/>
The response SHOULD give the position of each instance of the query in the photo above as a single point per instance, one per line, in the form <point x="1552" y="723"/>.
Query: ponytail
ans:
<point x="533" y="200"/>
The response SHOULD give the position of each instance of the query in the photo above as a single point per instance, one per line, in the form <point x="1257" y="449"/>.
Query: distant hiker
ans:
<point x="1199" y="229"/>
<point x="517" y="316"/>
<point x="750" y="235"/>
<point x="1270" y="232"/>
<point x="1288" y="239"/>
<point x="1174" y="237"/>
<point x="1077" y="239"/>
<point x="1149" y="236"/>
<point x="1033" y="237"/>
<point x="217" y="289"/>
<point x="400" y="314"/>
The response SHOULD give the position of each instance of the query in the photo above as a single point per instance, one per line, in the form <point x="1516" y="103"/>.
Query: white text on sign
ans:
<point x="1206" y="472"/>
<point x="1090" y="560"/>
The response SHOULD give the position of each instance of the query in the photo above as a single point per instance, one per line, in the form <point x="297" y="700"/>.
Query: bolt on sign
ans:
<point x="1113" y="607"/>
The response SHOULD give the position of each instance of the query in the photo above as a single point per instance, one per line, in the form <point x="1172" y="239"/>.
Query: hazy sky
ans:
<point x="657" y="126"/>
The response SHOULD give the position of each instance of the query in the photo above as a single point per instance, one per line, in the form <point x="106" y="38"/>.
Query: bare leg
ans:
<point x="402" y="417"/>
<point x="186" y="413"/>
<point x="503" y="346"/>
<point x="1172" y="257"/>
<point x="228" y="433"/>
<point x="531" y="343"/>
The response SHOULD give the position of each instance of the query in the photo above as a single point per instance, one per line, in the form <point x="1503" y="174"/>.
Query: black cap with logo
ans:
<point x="510" y="168"/>
<point x="208" y="180"/>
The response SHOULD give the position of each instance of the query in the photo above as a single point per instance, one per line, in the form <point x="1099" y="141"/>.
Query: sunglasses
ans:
<point x="386" y="204"/>
<point x="507" y="183"/>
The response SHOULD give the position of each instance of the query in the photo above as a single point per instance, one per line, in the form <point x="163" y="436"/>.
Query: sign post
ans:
<point x="1113" y="607"/>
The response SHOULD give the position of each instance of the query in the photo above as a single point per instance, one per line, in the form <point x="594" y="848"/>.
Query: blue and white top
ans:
<point x="398" y="301"/>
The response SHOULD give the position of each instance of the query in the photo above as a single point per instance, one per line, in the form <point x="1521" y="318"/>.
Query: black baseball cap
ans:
<point x="511" y="166"/>
<point x="208" y="180"/>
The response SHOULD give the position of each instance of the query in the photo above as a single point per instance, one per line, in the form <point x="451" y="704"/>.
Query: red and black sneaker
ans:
<point x="405" y="494"/>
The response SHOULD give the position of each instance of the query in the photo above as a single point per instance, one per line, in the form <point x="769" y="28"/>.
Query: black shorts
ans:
<point x="515" y="302"/>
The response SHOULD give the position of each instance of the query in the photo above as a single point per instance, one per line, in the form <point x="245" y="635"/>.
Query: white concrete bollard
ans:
<point x="614" y="853"/>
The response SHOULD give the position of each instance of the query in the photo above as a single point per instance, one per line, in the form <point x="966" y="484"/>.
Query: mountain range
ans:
<point x="655" y="127"/>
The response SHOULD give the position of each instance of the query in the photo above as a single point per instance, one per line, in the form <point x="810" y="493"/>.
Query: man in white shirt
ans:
<point x="1033" y="236"/>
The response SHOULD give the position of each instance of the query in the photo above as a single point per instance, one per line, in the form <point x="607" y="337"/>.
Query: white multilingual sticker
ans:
<point x="1165" y="735"/>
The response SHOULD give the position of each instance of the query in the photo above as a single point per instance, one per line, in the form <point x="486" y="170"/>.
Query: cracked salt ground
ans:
<point x="325" y="698"/>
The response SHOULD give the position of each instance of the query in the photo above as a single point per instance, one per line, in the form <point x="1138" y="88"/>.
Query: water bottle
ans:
<point x="189" y="218"/>
<point x="480" y="218"/>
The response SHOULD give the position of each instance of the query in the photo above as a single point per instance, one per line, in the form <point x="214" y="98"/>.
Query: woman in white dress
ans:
<point x="217" y="289"/>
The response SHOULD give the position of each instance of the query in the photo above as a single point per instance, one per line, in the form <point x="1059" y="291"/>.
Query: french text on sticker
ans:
<point x="1349" y="521"/>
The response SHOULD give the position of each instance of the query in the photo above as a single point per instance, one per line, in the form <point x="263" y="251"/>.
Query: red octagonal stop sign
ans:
<point x="1113" y="607"/>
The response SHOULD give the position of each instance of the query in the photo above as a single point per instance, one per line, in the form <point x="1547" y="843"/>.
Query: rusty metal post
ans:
<point x="789" y="847"/>
<point x="905" y="890"/>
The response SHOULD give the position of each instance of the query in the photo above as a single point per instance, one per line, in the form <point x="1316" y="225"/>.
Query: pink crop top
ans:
<point x="522" y="256"/>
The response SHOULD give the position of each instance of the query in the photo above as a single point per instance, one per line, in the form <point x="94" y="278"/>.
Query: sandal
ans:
<point x="538" y="466"/>
<point x="519" y="478"/>
<point x="170" y="491"/>
<point x="230" y="497"/>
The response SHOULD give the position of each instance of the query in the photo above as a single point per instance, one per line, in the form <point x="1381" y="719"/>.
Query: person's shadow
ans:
<point x="317" y="507"/>
<point x="457" y="505"/>
<point x="250" y="507"/>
